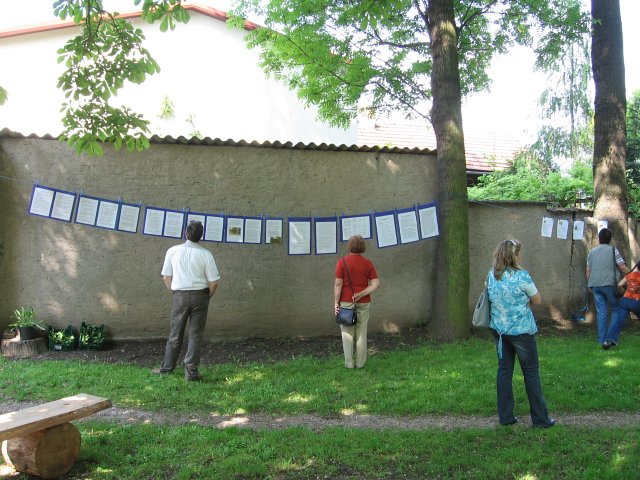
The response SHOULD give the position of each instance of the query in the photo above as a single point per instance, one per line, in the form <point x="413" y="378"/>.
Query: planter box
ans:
<point x="91" y="337"/>
<point x="61" y="339"/>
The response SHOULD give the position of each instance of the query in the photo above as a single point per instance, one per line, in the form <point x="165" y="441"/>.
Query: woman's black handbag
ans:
<point x="347" y="316"/>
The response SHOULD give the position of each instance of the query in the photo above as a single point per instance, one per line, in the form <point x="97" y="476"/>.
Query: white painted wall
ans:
<point x="207" y="72"/>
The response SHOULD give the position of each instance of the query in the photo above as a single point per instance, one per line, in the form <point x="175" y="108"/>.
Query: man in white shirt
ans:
<point x="191" y="274"/>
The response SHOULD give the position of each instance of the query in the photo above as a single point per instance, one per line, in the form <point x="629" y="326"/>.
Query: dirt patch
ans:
<point x="253" y="350"/>
<point x="268" y="350"/>
<point x="129" y="416"/>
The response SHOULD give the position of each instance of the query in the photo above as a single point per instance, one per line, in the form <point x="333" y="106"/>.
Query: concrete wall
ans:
<point x="557" y="266"/>
<point x="72" y="273"/>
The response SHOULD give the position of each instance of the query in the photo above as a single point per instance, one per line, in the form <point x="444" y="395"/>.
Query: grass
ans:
<point x="456" y="378"/>
<point x="192" y="452"/>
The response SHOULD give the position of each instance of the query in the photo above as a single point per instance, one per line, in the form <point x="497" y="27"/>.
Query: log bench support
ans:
<point x="40" y="440"/>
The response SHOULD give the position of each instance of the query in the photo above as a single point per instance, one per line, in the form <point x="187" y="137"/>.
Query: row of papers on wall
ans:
<point x="392" y="228"/>
<point x="562" y="228"/>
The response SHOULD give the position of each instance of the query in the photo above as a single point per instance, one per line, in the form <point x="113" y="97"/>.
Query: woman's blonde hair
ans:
<point x="505" y="257"/>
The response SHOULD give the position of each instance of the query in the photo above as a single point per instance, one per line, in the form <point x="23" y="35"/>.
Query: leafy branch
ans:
<point x="107" y="53"/>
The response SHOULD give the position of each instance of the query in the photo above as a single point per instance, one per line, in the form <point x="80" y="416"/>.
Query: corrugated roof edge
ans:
<point x="181" y="140"/>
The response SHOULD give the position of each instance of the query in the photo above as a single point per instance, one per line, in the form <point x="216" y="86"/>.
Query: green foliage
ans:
<point x="26" y="317"/>
<point x="3" y="96"/>
<point x="529" y="178"/>
<point x="167" y="109"/>
<point x="107" y="53"/>
<point x="191" y="120"/>
<point x="633" y="190"/>
<point x="559" y="144"/>
<point x="169" y="12"/>
<point x="633" y="142"/>
<point x="91" y="336"/>
<point x="567" y="103"/>
<point x="344" y="55"/>
<point x="61" y="339"/>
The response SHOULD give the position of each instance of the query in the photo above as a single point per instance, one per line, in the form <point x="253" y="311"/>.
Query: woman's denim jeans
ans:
<point x="525" y="347"/>
<point x="604" y="298"/>
<point x="618" y="319"/>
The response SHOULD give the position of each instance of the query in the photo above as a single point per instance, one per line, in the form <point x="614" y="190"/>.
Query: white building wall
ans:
<point x="206" y="72"/>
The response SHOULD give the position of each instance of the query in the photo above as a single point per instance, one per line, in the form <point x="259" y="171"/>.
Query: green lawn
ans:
<point x="449" y="379"/>
<point x="146" y="452"/>
<point x="454" y="378"/>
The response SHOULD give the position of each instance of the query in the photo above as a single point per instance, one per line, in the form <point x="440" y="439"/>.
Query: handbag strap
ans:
<point x="615" y="265"/>
<point x="349" y="277"/>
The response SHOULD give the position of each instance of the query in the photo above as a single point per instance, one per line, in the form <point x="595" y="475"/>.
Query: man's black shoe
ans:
<point x="549" y="424"/>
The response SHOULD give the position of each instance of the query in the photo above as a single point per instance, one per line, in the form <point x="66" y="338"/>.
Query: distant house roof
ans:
<point x="57" y="25"/>
<point x="485" y="151"/>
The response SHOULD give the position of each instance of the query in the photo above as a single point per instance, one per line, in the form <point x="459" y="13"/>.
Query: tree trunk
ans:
<point x="48" y="453"/>
<point x="610" y="134"/>
<point x="450" y="313"/>
<point x="16" y="348"/>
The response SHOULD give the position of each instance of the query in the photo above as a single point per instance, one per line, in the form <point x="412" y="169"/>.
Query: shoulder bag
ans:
<point x="482" y="312"/>
<point x="347" y="316"/>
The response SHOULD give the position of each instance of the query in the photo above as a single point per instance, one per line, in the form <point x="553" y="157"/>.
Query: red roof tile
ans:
<point x="57" y="25"/>
<point x="486" y="151"/>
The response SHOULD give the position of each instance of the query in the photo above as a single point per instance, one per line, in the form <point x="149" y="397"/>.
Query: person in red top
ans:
<point x="355" y="285"/>
<point x="630" y="302"/>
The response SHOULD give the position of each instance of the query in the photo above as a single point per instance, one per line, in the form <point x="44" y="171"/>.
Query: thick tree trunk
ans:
<point x="610" y="134"/>
<point x="450" y="317"/>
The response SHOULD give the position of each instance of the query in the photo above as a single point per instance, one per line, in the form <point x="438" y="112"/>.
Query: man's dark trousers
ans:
<point x="192" y="305"/>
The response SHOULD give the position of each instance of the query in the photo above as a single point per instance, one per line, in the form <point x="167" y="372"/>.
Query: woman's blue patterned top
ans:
<point x="509" y="297"/>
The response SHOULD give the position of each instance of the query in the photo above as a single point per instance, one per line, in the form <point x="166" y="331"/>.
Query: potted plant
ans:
<point x="26" y="323"/>
<point x="61" y="339"/>
<point x="91" y="337"/>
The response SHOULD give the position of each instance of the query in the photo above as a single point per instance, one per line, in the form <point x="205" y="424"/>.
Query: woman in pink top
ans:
<point x="355" y="283"/>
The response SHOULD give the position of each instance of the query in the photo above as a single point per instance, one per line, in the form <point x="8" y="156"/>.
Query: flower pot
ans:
<point x="27" y="333"/>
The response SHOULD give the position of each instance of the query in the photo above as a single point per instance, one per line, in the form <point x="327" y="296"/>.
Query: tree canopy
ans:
<point x="566" y="104"/>
<point x="107" y="53"/>
<point x="345" y="56"/>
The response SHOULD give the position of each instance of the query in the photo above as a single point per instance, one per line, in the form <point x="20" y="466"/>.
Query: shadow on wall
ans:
<point x="10" y="234"/>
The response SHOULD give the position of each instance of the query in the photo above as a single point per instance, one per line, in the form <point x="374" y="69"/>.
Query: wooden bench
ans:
<point x="40" y="440"/>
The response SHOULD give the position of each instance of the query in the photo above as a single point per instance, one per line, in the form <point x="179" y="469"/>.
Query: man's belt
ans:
<point x="202" y="290"/>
